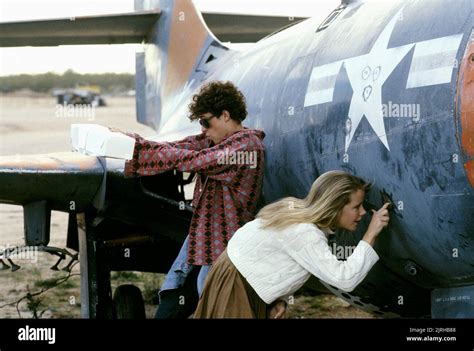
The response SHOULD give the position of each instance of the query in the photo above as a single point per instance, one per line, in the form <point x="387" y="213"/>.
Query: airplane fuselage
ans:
<point x="375" y="94"/>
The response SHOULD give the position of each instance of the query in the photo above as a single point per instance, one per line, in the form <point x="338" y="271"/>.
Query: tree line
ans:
<point x="46" y="82"/>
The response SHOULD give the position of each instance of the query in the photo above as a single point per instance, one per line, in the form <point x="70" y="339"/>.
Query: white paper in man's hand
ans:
<point x="96" y="140"/>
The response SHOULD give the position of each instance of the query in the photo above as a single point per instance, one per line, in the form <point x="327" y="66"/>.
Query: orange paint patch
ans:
<point x="470" y="171"/>
<point x="466" y="94"/>
<point x="55" y="162"/>
<point x="187" y="36"/>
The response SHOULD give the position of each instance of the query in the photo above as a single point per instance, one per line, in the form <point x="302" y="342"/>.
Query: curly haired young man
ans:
<point x="228" y="160"/>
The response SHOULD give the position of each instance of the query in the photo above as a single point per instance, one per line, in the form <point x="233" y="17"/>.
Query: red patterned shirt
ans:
<point x="227" y="188"/>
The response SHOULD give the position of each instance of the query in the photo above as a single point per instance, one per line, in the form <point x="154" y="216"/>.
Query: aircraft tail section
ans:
<point x="179" y="48"/>
<point x="177" y="52"/>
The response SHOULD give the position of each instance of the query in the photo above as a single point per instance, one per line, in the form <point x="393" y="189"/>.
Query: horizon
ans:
<point x="63" y="73"/>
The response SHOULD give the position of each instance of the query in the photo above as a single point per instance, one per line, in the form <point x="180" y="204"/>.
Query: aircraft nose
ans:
<point x="465" y="93"/>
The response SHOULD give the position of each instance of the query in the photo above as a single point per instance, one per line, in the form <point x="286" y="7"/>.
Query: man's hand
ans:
<point x="278" y="310"/>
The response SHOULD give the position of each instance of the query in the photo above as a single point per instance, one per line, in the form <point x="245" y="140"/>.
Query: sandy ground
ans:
<point x="34" y="125"/>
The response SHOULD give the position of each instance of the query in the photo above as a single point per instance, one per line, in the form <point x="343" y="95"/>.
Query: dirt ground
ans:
<point x="34" y="125"/>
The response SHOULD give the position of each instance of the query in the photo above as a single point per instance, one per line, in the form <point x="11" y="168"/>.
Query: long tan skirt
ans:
<point x="227" y="294"/>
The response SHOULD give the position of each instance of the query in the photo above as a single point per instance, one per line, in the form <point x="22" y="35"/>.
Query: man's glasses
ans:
<point x="205" y="122"/>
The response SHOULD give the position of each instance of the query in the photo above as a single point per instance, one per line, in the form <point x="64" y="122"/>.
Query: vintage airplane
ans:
<point x="383" y="90"/>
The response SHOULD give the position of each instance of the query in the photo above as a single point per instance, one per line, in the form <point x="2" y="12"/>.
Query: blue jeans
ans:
<point x="182" y="287"/>
<point x="203" y="272"/>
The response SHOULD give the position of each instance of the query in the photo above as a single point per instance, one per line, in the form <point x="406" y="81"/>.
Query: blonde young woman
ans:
<point x="272" y="256"/>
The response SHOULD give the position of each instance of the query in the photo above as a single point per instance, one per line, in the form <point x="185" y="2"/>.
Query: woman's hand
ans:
<point x="379" y="221"/>
<point x="278" y="310"/>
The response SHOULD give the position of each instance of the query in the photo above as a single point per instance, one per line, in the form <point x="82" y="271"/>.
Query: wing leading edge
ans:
<point x="57" y="178"/>
<point x="129" y="28"/>
<point x="107" y="29"/>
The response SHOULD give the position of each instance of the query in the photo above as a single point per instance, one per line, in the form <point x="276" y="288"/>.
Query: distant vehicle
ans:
<point x="83" y="95"/>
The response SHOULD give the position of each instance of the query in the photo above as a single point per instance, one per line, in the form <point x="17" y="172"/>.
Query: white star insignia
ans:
<point x="367" y="74"/>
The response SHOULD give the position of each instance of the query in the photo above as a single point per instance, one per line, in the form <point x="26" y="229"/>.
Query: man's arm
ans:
<point x="150" y="158"/>
<point x="193" y="142"/>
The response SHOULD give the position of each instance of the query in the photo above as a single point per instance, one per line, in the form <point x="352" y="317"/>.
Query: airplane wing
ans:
<point x="131" y="28"/>
<point x="152" y="217"/>
<point x="108" y="29"/>
<point x="238" y="28"/>
<point x="26" y="179"/>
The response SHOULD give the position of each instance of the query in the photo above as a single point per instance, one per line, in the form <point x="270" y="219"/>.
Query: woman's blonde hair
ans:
<point x="326" y="199"/>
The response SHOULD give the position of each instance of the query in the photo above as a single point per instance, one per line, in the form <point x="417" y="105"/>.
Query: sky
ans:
<point x="111" y="58"/>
